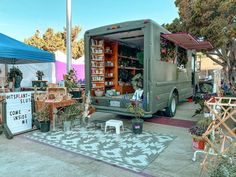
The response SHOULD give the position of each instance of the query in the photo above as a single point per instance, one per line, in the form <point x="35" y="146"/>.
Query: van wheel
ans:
<point x="171" y="108"/>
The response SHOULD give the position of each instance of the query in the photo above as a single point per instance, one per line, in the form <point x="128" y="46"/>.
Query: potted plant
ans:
<point x="137" y="122"/>
<point x="137" y="81"/>
<point x="14" y="77"/>
<point x="197" y="131"/>
<point x="71" y="83"/>
<point x="224" y="165"/>
<point x="42" y="119"/>
<point x="69" y="114"/>
<point x="39" y="75"/>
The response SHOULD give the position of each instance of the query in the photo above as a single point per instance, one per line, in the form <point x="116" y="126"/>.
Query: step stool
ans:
<point x="114" y="123"/>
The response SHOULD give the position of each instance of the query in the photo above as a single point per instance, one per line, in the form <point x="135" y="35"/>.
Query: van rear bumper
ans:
<point x="119" y="111"/>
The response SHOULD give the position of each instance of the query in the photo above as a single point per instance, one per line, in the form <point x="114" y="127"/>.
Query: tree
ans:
<point x="214" y="20"/>
<point x="175" y="26"/>
<point x="52" y="41"/>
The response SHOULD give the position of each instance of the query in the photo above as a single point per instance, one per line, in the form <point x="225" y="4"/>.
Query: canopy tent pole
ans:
<point x="68" y="34"/>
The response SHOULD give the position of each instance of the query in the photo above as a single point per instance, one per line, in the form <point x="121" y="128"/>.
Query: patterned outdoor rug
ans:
<point x="134" y="152"/>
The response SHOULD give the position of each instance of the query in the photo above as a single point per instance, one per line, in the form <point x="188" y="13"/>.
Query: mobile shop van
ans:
<point x="120" y="56"/>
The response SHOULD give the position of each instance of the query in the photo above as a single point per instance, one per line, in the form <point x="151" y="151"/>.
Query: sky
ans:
<point x="21" y="18"/>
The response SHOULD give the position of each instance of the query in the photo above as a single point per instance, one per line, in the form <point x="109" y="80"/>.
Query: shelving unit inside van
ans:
<point x="97" y="65"/>
<point x="113" y="66"/>
<point x="110" y="65"/>
<point x="129" y="66"/>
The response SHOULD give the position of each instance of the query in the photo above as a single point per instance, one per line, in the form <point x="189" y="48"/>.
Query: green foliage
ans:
<point x="39" y="74"/>
<point x="204" y="122"/>
<point x="224" y="166"/>
<point x="70" y="113"/>
<point x="52" y="41"/>
<point x="42" y="115"/>
<point x="200" y="102"/>
<point x="182" y="57"/>
<point x="168" y="50"/>
<point x="213" y="20"/>
<point x="71" y="80"/>
<point x="175" y="26"/>
<point x="137" y="81"/>
<point x="135" y="109"/>
<point x="14" y="71"/>
<point x="140" y="56"/>
<point x="201" y="126"/>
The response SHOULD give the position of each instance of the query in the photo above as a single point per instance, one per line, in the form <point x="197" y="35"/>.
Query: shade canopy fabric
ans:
<point x="16" y="52"/>
<point x="187" y="41"/>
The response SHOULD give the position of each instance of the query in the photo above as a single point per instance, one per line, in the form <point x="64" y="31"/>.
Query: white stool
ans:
<point x="114" y="123"/>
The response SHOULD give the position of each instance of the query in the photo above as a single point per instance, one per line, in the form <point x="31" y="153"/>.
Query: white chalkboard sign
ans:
<point x="18" y="111"/>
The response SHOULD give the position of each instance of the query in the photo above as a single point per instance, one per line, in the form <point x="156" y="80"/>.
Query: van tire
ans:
<point x="172" y="104"/>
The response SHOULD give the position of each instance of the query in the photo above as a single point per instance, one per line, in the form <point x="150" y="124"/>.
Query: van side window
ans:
<point x="182" y="58"/>
<point x="168" y="51"/>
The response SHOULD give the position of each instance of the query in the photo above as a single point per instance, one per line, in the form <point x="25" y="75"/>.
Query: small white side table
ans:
<point x="114" y="123"/>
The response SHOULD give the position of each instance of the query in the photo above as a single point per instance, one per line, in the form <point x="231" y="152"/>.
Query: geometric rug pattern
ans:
<point x="132" y="151"/>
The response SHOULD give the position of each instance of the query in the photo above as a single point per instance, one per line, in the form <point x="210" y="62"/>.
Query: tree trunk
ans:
<point x="227" y="59"/>
<point x="231" y="76"/>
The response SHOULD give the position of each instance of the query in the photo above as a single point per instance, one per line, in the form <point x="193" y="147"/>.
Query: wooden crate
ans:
<point x="57" y="90"/>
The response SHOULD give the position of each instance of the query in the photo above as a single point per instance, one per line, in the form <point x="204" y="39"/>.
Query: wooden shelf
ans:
<point x="125" y="89"/>
<point x="55" y="90"/>
<point x="97" y="46"/>
<point x="97" y="66"/>
<point x="126" y="57"/>
<point x="108" y="53"/>
<point x="97" y="60"/>
<point x="97" y="74"/>
<point x="132" y="68"/>
<point x="98" y="81"/>
<point x="98" y="54"/>
<point x="97" y="87"/>
<point x="108" y="57"/>
<point x="109" y="85"/>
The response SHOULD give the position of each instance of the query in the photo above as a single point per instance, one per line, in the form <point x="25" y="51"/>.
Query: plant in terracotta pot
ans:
<point x="42" y="119"/>
<point x="137" y="122"/>
<point x="198" y="130"/>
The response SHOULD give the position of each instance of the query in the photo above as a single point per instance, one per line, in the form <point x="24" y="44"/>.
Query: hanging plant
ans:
<point x="168" y="50"/>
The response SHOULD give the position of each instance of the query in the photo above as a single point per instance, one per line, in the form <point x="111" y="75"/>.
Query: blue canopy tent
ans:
<point x="16" y="52"/>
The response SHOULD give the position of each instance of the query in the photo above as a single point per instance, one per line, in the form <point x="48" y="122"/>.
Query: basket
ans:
<point x="99" y="92"/>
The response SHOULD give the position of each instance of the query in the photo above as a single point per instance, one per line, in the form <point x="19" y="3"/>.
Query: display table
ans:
<point x="39" y="83"/>
<point x="52" y="107"/>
